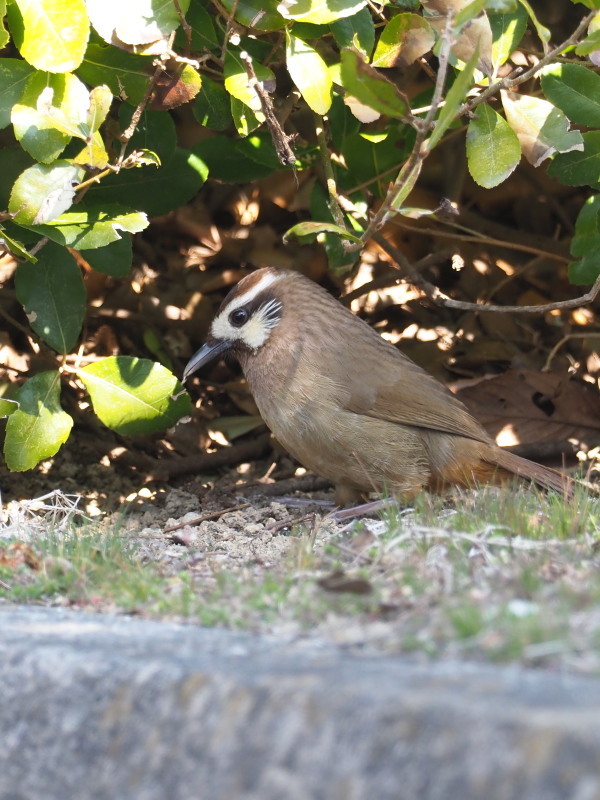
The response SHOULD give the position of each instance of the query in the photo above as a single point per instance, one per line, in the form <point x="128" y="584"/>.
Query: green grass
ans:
<point x="497" y="574"/>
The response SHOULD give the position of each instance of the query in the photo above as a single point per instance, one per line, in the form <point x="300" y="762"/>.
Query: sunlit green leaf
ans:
<point x="91" y="227"/>
<point x="50" y="34"/>
<point x="237" y="82"/>
<point x="42" y="192"/>
<point x="134" y="395"/>
<point x="542" y="129"/>
<point x="493" y="150"/>
<point x="320" y="12"/>
<point x="50" y="111"/>
<point x="310" y="74"/>
<point x="7" y="407"/>
<point x="507" y="31"/>
<point x="303" y="229"/>
<point x="135" y="22"/>
<point x="4" y="34"/>
<point x="39" y="426"/>
<point x="405" y="38"/>
<point x="262" y="15"/>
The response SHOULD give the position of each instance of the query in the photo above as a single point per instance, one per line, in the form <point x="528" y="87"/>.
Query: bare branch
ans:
<point x="281" y="140"/>
<point x="437" y="296"/>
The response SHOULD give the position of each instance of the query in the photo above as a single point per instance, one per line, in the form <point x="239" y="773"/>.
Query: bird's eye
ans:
<point x="238" y="317"/>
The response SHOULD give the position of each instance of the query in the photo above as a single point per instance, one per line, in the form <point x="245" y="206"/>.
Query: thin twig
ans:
<point x="441" y="299"/>
<point x="281" y="141"/>
<point x="412" y="166"/>
<point x="517" y="76"/>
<point x="187" y="28"/>
<point x="334" y="204"/>
<point x="137" y="114"/>
<point x="205" y="517"/>
<point x="564" y="340"/>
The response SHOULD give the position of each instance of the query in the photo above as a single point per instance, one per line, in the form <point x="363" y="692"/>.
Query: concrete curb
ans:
<point x="111" y="708"/>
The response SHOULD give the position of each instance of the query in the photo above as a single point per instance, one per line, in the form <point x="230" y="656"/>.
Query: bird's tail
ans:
<point x="544" y="476"/>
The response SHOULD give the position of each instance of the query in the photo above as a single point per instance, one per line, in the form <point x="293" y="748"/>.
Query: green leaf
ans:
<point x="589" y="45"/>
<point x="100" y="101"/>
<point x="39" y="426"/>
<point x="369" y="87"/>
<point x="454" y="99"/>
<point x="310" y="74"/>
<point x="493" y="150"/>
<point x="16" y="248"/>
<point x="112" y="259"/>
<point x="357" y="30"/>
<point x="575" y="89"/>
<point x="50" y="34"/>
<point x="244" y="119"/>
<point x="134" y="395"/>
<point x="236" y="80"/>
<point x="238" y="160"/>
<point x="93" y="154"/>
<point x="319" y="12"/>
<point x="372" y="159"/>
<point x="507" y="31"/>
<point x="4" y="34"/>
<point x="49" y="113"/>
<point x="13" y="161"/>
<point x="203" y="31"/>
<point x="339" y="260"/>
<point x="262" y="15"/>
<point x="303" y="229"/>
<point x="53" y="296"/>
<point x="211" y="106"/>
<point x="155" y="191"/>
<point x="7" y="407"/>
<point x="155" y="131"/>
<point x="541" y="128"/>
<point x="579" y="168"/>
<point x="541" y="30"/>
<point x="586" y="244"/>
<point x="135" y="22"/>
<point x="404" y="39"/>
<point x="42" y="192"/>
<point x="92" y="226"/>
<point x="126" y="75"/>
<point x="13" y="76"/>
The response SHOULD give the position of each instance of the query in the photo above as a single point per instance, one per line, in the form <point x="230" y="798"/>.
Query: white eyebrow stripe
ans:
<point x="248" y="296"/>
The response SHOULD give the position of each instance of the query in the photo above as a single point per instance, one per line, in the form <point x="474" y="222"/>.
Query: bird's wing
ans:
<point x="404" y="393"/>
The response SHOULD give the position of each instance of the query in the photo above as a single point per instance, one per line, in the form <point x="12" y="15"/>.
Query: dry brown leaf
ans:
<point x="534" y="406"/>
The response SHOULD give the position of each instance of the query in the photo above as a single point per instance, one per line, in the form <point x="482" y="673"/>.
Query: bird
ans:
<point x="346" y="403"/>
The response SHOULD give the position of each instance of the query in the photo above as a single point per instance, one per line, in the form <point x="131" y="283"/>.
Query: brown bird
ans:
<point x="346" y="403"/>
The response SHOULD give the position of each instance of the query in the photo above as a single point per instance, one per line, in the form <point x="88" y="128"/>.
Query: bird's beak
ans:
<point x="208" y="352"/>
